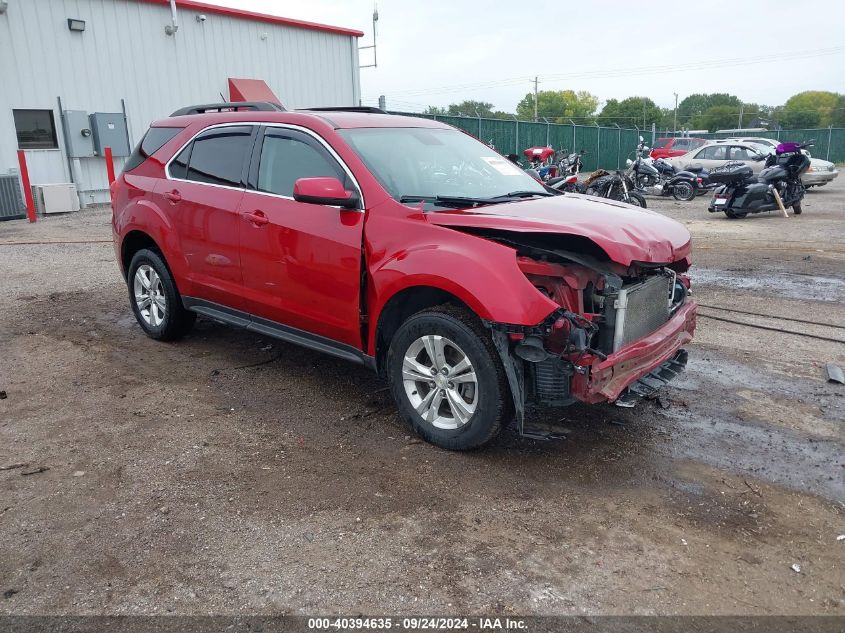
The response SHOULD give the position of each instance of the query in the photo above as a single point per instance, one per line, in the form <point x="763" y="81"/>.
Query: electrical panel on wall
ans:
<point x="109" y="130"/>
<point x="80" y="143"/>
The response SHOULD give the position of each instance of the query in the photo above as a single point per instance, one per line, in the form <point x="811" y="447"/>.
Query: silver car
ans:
<point x="716" y="154"/>
<point x="820" y="173"/>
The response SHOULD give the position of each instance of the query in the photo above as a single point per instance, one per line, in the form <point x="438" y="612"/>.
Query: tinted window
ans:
<point x="288" y="156"/>
<point x="179" y="165"/>
<point x="35" y="129"/>
<point x="153" y="140"/>
<point x="218" y="156"/>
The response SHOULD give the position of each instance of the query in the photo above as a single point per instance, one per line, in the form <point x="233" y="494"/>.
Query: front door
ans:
<point x="202" y="196"/>
<point x="301" y="262"/>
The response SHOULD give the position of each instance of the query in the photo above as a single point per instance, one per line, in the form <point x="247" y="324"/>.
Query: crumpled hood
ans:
<point x="627" y="234"/>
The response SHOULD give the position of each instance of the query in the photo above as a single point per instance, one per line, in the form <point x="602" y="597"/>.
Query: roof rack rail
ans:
<point x="261" y="106"/>
<point x="367" y="109"/>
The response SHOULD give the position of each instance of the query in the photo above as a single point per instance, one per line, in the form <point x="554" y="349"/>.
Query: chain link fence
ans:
<point x="610" y="147"/>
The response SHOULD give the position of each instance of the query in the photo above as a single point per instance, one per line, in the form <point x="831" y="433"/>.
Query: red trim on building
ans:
<point x="192" y="5"/>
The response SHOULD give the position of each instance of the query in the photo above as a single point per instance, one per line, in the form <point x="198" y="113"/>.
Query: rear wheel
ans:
<point x="448" y="380"/>
<point x="683" y="191"/>
<point x="636" y="199"/>
<point x="734" y="215"/>
<point x="155" y="300"/>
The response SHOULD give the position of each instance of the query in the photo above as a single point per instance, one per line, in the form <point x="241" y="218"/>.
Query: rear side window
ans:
<point x="153" y="140"/>
<point x="217" y="157"/>
<point x="287" y="156"/>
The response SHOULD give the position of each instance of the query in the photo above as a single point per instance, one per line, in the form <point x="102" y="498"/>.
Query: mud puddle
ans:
<point x="794" y="286"/>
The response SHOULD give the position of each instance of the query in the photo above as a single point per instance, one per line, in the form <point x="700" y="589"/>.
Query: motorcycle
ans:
<point x="541" y="163"/>
<point x="741" y="193"/>
<point x="658" y="177"/>
<point x="616" y="186"/>
<point x="570" y="163"/>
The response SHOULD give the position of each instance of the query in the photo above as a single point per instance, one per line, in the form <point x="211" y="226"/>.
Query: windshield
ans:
<point x="422" y="164"/>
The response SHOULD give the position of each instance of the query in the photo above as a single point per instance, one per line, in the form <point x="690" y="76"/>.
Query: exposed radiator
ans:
<point x="641" y="308"/>
<point x="11" y="202"/>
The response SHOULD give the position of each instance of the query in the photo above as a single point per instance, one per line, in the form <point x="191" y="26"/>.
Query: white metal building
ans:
<point x="128" y="60"/>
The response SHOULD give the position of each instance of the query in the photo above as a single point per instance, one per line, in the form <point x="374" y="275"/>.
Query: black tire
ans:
<point x="796" y="208"/>
<point x="637" y="200"/>
<point x="684" y="191"/>
<point x="493" y="401"/>
<point x="176" y="321"/>
<point x="734" y="215"/>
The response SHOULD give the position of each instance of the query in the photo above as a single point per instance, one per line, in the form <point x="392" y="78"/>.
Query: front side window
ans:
<point x="287" y="156"/>
<point x="424" y="163"/>
<point x="217" y="157"/>
<point x="713" y="152"/>
<point x="36" y="129"/>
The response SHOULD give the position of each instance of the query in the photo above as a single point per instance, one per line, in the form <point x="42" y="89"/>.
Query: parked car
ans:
<point x="716" y="154"/>
<point x="669" y="147"/>
<point x="409" y="247"/>
<point x="820" y="173"/>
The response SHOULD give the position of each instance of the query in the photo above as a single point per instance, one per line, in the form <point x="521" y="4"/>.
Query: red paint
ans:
<point x="670" y="151"/>
<point x="251" y="90"/>
<point x="202" y="7"/>
<point x="27" y="188"/>
<point x="109" y="165"/>
<point x="300" y="264"/>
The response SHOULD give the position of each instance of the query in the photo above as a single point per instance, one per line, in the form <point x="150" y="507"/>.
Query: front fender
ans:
<point x="482" y="274"/>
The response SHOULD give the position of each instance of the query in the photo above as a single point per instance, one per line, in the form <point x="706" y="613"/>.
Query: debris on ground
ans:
<point x="10" y="592"/>
<point x="841" y="537"/>
<point x="796" y="568"/>
<point x="3" y="395"/>
<point x="834" y="373"/>
<point x="14" y="466"/>
<point x="35" y="471"/>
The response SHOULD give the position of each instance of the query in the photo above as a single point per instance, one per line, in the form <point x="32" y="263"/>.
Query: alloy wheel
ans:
<point x="149" y="295"/>
<point x="440" y="382"/>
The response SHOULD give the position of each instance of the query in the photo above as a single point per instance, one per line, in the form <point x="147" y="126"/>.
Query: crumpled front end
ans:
<point x="617" y="335"/>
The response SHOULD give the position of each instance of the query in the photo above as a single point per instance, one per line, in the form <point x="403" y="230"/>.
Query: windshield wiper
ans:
<point x="451" y="201"/>
<point x="462" y="201"/>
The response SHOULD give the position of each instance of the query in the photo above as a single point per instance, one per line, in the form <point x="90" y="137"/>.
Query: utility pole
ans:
<point x="741" y="108"/>
<point x="675" y="121"/>
<point x="363" y="48"/>
<point x="536" y="81"/>
<point x="644" y="113"/>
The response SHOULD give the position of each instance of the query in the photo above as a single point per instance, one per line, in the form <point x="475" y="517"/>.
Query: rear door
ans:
<point x="202" y="194"/>
<point x="301" y="262"/>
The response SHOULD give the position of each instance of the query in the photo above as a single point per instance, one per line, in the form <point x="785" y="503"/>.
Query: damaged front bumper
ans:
<point x="606" y="379"/>
<point x="634" y="371"/>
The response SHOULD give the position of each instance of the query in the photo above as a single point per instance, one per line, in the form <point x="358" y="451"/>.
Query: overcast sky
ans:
<point x="436" y="52"/>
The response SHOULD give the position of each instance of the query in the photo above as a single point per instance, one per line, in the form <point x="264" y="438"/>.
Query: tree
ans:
<point x="699" y="103"/>
<point x="837" y="118"/>
<point x="633" y="111"/>
<point x="714" y="118"/>
<point x="813" y="108"/>
<point x="559" y="105"/>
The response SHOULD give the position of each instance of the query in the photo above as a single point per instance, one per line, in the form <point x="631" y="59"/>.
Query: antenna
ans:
<point x="375" y="30"/>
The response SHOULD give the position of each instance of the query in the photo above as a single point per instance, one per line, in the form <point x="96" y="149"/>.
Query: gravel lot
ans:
<point x="231" y="474"/>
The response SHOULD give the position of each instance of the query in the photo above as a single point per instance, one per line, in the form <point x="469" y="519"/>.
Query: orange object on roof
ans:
<point x="251" y="90"/>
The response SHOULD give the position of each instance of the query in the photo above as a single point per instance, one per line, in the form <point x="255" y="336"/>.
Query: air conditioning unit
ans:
<point x="57" y="198"/>
<point x="11" y="201"/>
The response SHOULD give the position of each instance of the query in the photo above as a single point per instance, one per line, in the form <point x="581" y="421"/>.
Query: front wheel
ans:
<point x="796" y="208"/>
<point x="683" y="191"/>
<point x="447" y="379"/>
<point x="636" y="199"/>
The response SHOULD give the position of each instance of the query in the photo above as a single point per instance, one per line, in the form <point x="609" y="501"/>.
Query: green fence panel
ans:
<point x="610" y="147"/>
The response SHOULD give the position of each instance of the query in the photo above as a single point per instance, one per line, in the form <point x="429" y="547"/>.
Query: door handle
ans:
<point x="173" y="196"/>
<point x="257" y="218"/>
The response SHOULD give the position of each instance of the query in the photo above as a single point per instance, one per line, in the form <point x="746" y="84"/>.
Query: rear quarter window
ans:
<point x="153" y="140"/>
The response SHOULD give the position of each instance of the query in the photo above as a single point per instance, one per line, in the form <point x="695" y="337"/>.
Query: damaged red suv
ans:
<point x="407" y="246"/>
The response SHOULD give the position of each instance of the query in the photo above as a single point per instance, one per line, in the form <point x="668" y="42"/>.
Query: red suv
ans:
<point x="410" y="247"/>
<point x="675" y="146"/>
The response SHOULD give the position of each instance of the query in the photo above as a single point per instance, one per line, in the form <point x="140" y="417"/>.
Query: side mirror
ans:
<point x="328" y="191"/>
<point x="629" y="162"/>
<point x="641" y="139"/>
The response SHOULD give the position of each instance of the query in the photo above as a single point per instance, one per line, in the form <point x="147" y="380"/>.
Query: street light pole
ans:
<point x="536" y="81"/>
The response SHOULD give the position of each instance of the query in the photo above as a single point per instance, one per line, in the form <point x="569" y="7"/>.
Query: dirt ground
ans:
<point x="232" y="474"/>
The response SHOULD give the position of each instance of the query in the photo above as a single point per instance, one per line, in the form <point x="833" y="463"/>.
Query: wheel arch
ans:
<point x="134" y="241"/>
